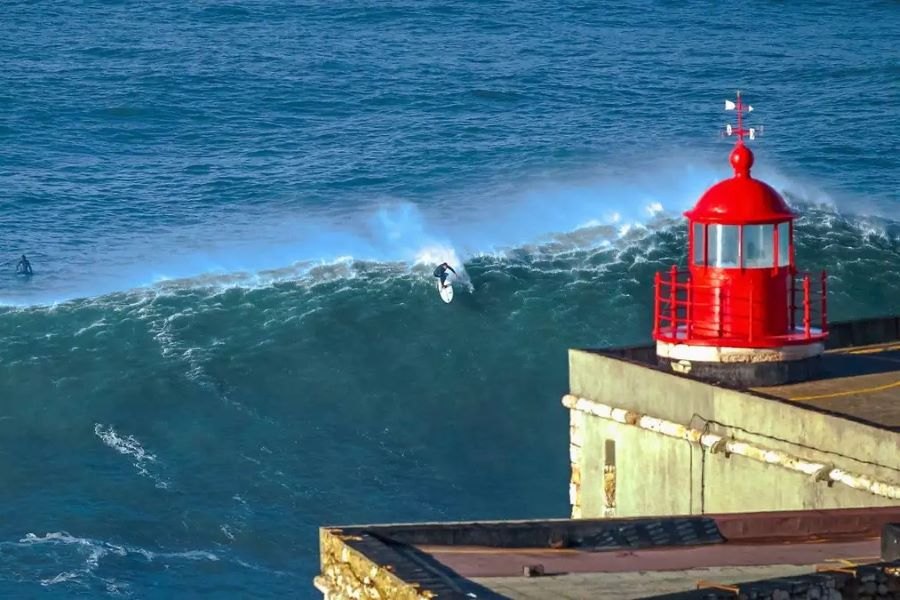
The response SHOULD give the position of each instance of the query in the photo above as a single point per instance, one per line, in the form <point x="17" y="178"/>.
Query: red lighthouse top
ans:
<point x="741" y="199"/>
<point x="741" y="288"/>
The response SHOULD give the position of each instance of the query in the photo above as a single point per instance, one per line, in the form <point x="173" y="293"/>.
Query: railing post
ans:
<point x="824" y="302"/>
<point x="750" y="315"/>
<point x="792" y="305"/>
<point x="806" y="316"/>
<point x="657" y="285"/>
<point x="673" y="299"/>
<point x="690" y="307"/>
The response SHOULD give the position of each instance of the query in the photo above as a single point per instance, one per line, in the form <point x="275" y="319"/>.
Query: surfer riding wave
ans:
<point x="441" y="273"/>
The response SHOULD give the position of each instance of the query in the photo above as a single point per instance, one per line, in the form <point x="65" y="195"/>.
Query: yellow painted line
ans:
<point x="889" y="348"/>
<point x="878" y="388"/>
<point x="854" y="562"/>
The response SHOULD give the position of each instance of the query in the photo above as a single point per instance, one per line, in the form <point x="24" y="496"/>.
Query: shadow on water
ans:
<point x="469" y="300"/>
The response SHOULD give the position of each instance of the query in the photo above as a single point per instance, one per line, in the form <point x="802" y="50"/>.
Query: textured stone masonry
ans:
<point x="348" y="575"/>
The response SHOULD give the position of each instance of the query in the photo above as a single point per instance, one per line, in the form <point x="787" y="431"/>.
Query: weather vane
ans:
<point x="740" y="107"/>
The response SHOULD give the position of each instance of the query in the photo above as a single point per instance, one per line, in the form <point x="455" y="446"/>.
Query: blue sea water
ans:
<point x="233" y="210"/>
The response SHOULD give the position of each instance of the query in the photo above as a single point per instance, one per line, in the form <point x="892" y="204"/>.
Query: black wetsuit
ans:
<point x="441" y="272"/>
<point x="24" y="267"/>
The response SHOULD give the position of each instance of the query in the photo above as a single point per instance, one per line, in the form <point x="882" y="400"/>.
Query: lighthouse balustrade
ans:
<point x="811" y="315"/>
<point x="676" y="304"/>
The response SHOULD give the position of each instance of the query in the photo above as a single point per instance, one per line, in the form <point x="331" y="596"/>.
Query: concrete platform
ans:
<point x="619" y="586"/>
<point x="862" y="383"/>
<point x="482" y="562"/>
<point x="609" y="558"/>
<point x="640" y="573"/>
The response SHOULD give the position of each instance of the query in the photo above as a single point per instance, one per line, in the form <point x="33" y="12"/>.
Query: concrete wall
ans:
<point x="863" y="332"/>
<point x="660" y="475"/>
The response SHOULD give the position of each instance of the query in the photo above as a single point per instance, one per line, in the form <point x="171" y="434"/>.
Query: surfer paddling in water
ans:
<point x="24" y="267"/>
<point x="441" y="272"/>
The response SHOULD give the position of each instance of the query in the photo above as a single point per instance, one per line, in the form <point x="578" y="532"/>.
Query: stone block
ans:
<point x="890" y="542"/>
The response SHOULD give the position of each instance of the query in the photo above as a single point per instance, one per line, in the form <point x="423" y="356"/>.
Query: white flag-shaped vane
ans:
<point x="729" y="105"/>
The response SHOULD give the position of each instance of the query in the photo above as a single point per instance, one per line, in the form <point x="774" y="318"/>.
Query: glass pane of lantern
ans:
<point x="784" y="244"/>
<point x="698" y="243"/>
<point x="758" y="246"/>
<point x="723" y="245"/>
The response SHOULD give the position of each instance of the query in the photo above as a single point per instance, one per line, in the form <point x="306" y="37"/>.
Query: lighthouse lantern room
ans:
<point x="741" y="313"/>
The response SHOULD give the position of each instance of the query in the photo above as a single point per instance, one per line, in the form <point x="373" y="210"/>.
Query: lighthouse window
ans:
<point x="758" y="248"/>
<point x="723" y="245"/>
<point x="698" y="244"/>
<point x="784" y="244"/>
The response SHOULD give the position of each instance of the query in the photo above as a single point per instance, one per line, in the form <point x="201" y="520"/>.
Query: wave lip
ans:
<point x="280" y="245"/>
<point x="402" y="236"/>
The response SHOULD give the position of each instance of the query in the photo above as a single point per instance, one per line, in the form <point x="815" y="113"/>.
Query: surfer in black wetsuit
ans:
<point x="24" y="267"/>
<point x="441" y="271"/>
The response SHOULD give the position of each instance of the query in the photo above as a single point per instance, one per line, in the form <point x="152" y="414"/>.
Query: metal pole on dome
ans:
<point x="738" y="105"/>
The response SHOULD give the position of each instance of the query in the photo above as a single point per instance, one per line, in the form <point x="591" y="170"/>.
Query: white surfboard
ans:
<point x="446" y="292"/>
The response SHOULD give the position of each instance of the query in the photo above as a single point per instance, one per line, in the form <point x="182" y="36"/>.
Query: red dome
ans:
<point x="741" y="199"/>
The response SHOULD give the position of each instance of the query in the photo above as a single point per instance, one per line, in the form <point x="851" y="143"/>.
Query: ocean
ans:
<point x="233" y="210"/>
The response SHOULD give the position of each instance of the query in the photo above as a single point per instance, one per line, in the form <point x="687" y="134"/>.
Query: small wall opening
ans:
<point x="609" y="476"/>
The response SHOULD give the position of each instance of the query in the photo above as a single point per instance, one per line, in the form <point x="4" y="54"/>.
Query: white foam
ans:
<point x="190" y="555"/>
<point x="93" y="552"/>
<point x="94" y="325"/>
<point x="590" y="224"/>
<point x="62" y="578"/>
<point x="130" y="446"/>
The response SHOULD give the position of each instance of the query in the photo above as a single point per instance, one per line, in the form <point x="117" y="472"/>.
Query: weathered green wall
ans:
<point x="641" y="476"/>
<point x="660" y="475"/>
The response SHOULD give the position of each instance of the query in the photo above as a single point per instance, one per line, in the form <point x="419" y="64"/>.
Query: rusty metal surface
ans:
<point x="584" y="534"/>
<point x="638" y="584"/>
<point x="806" y="525"/>
<point x="495" y="562"/>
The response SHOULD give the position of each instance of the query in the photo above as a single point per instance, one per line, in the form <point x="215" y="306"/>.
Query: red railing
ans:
<point x="684" y="311"/>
